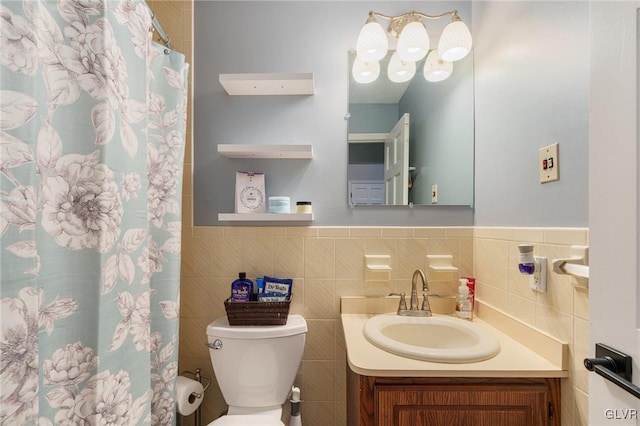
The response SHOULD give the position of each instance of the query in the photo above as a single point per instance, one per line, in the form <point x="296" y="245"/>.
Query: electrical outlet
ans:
<point x="538" y="280"/>
<point x="549" y="163"/>
<point x="434" y="194"/>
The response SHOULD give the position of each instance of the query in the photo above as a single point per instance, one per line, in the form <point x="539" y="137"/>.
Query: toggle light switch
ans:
<point x="548" y="163"/>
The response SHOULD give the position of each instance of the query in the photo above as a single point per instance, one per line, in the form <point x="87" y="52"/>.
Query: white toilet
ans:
<point x="255" y="367"/>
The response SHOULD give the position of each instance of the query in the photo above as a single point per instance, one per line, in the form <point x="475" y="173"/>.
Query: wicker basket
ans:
<point x="257" y="313"/>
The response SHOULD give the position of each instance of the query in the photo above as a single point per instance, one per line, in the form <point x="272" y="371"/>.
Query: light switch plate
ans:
<point x="434" y="194"/>
<point x="549" y="163"/>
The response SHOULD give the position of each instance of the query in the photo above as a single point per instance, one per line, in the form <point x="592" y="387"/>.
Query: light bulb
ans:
<point x="455" y="41"/>
<point x="365" y="72"/>
<point x="400" y="71"/>
<point x="413" y="43"/>
<point x="372" y="44"/>
<point x="435" y="69"/>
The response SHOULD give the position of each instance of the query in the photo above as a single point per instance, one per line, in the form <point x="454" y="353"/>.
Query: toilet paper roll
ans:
<point x="189" y="395"/>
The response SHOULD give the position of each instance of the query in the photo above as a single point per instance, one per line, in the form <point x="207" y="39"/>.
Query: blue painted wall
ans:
<point x="531" y="75"/>
<point x="532" y="90"/>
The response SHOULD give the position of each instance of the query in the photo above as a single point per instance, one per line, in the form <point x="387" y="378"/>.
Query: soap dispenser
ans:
<point x="463" y="301"/>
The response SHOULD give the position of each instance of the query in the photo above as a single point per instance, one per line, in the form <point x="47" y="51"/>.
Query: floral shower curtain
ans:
<point x="92" y="131"/>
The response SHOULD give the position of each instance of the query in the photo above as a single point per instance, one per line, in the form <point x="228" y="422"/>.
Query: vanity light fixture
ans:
<point x="455" y="40"/>
<point x="412" y="46"/>
<point x="372" y="42"/>
<point x="435" y="68"/>
<point x="400" y="70"/>
<point x="413" y="42"/>
<point x="365" y="71"/>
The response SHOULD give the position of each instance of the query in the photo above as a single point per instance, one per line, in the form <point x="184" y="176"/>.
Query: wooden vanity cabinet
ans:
<point x="400" y="401"/>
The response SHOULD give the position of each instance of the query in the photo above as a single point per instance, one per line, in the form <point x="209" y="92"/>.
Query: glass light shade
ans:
<point x="400" y="71"/>
<point x="365" y="72"/>
<point x="436" y="69"/>
<point x="455" y="41"/>
<point x="372" y="44"/>
<point x="413" y="43"/>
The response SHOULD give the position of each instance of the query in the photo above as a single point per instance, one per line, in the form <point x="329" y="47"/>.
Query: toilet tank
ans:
<point x="255" y="366"/>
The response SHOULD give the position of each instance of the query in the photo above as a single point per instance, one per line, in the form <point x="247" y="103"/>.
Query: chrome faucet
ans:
<point x="425" y="310"/>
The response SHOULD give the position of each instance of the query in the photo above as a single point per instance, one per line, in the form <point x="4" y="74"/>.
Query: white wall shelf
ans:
<point x="268" y="84"/>
<point x="266" y="151"/>
<point x="367" y="137"/>
<point x="265" y="217"/>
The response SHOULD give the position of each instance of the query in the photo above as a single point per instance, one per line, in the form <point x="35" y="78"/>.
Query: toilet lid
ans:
<point x="247" y="420"/>
<point x="296" y="324"/>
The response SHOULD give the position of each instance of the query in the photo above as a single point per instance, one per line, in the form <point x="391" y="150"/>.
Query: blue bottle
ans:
<point x="260" y="284"/>
<point x="242" y="288"/>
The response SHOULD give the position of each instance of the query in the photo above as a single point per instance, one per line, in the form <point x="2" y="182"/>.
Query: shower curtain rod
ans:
<point x="156" y="25"/>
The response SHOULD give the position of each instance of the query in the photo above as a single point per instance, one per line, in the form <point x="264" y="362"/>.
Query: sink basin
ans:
<point x="438" y="338"/>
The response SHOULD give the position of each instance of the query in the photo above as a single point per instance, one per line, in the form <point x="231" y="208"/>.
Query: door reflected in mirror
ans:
<point x="406" y="139"/>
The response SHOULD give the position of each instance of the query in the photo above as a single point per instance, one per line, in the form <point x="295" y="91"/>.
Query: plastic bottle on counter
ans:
<point x="463" y="301"/>
<point x="471" y="285"/>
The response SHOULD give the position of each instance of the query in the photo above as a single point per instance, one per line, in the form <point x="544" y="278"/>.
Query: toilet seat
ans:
<point x="247" y="420"/>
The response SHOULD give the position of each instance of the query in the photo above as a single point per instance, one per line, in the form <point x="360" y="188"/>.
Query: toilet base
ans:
<point x="246" y="420"/>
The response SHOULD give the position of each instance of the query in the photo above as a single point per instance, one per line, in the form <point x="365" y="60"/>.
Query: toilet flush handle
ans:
<point x="217" y="344"/>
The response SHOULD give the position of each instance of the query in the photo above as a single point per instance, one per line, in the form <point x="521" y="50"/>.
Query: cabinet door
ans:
<point x="366" y="192"/>
<point x="474" y="405"/>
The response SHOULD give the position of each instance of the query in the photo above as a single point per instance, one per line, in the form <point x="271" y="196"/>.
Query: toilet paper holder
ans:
<point x="198" y="377"/>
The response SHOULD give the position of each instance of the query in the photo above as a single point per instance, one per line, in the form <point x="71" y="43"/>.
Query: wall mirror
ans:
<point x="439" y="120"/>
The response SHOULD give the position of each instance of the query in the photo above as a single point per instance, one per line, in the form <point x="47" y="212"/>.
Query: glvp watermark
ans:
<point x="621" y="414"/>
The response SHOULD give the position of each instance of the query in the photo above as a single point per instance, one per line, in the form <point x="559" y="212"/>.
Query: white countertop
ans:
<point x="514" y="360"/>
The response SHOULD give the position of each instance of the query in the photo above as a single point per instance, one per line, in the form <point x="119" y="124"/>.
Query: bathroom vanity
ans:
<point x="459" y="401"/>
<point x="518" y="386"/>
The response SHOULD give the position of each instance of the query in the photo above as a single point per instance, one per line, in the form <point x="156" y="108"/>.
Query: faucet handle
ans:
<point x="426" y="306"/>
<point x="403" y="301"/>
